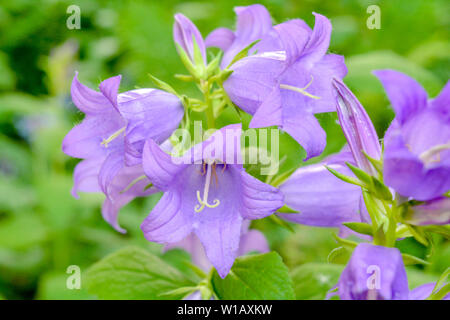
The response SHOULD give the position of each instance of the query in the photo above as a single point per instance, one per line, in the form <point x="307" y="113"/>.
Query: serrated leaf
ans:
<point x="312" y="281"/>
<point x="133" y="273"/>
<point x="255" y="277"/>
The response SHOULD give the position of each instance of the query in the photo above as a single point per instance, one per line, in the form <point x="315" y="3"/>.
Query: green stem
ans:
<point x="210" y="120"/>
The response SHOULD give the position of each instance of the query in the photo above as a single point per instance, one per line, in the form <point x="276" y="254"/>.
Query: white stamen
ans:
<point x="204" y="202"/>
<point x="427" y="156"/>
<point x="112" y="137"/>
<point x="300" y="90"/>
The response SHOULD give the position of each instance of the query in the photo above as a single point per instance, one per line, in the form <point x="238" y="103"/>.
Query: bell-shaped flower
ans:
<point x="110" y="138"/>
<point x="251" y="241"/>
<point x="357" y="127"/>
<point x="320" y="198"/>
<point x="253" y="23"/>
<point x="374" y="273"/>
<point x="207" y="192"/>
<point x="288" y="93"/>
<point x="184" y="35"/>
<point x="417" y="144"/>
<point x="436" y="212"/>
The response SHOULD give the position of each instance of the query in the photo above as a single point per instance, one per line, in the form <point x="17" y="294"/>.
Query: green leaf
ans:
<point x="243" y="53"/>
<point x="255" y="277"/>
<point x="412" y="260"/>
<point x="133" y="273"/>
<point x="339" y="255"/>
<point x="364" y="177"/>
<point x="363" y="228"/>
<point x="286" y="209"/>
<point x="163" y="85"/>
<point x="345" y="243"/>
<point x="312" y="281"/>
<point x="377" y="164"/>
<point x="345" y="178"/>
<point x="381" y="190"/>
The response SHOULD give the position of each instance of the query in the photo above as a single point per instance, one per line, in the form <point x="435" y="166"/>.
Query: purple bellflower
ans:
<point x="378" y="273"/>
<point x="207" y="192"/>
<point x="320" y="198"/>
<point x="357" y="127"/>
<point x="417" y="144"/>
<point x="374" y="273"/>
<point x="436" y="212"/>
<point x="110" y="139"/>
<point x="184" y="34"/>
<point x="288" y="80"/>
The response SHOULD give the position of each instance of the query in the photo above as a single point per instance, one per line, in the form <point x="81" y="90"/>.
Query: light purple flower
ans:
<point x="207" y="192"/>
<point x="436" y="211"/>
<point x="424" y="291"/>
<point x="374" y="273"/>
<point x="111" y="136"/>
<point x="358" y="128"/>
<point x="184" y="34"/>
<point x="417" y="143"/>
<point x="320" y="198"/>
<point x="251" y="240"/>
<point x="288" y="90"/>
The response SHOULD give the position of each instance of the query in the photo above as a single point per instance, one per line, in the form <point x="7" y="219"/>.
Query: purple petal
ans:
<point x="269" y="112"/>
<point x="436" y="211"/>
<point x="253" y="240"/>
<point x="319" y="40"/>
<point x="184" y="32"/>
<point x="290" y="36"/>
<point x="442" y="101"/>
<point x="424" y="291"/>
<point x="306" y="130"/>
<point x="110" y="88"/>
<point x="374" y="273"/>
<point x="406" y="95"/>
<point x="253" y="22"/>
<point x="221" y="38"/>
<point x="357" y="126"/>
<point x="159" y="166"/>
<point x="87" y="100"/>
<point x="109" y="170"/>
<point x="405" y="171"/>
<point x="253" y="79"/>
<point x="85" y="176"/>
<point x="151" y="114"/>
<point x="219" y="231"/>
<point x="193" y="245"/>
<point x="167" y="222"/>
<point x="259" y="199"/>
<point x="122" y="189"/>
<point x="320" y="198"/>
<point x="85" y="139"/>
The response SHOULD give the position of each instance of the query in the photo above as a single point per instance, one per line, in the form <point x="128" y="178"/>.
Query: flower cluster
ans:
<point x="282" y="75"/>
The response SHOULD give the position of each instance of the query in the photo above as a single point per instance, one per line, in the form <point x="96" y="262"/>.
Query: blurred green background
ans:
<point x="43" y="229"/>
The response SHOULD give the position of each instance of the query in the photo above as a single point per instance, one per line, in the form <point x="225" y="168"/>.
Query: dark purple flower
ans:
<point x="207" y="192"/>
<point x="289" y="90"/>
<point x="417" y="143"/>
<point x="320" y="198"/>
<point x="358" y="128"/>
<point x="184" y="34"/>
<point x="374" y="273"/>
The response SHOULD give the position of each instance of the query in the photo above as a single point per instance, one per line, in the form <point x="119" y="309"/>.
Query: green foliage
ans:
<point x="133" y="273"/>
<point x="255" y="277"/>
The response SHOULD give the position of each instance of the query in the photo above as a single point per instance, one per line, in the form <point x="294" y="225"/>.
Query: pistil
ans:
<point x="112" y="137"/>
<point x="204" y="202"/>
